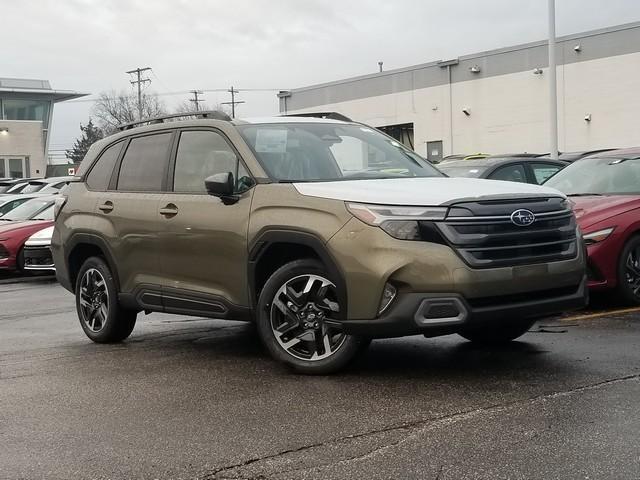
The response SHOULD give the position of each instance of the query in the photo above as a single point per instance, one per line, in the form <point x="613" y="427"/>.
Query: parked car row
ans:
<point x="26" y="210"/>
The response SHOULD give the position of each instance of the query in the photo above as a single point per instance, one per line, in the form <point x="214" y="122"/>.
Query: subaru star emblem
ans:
<point x="522" y="217"/>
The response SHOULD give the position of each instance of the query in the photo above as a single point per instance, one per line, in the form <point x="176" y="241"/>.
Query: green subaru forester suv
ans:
<point x="325" y="233"/>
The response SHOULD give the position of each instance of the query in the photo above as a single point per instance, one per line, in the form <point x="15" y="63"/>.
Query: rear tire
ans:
<point x="628" y="289"/>
<point x="294" y="319"/>
<point x="499" y="333"/>
<point x="101" y="316"/>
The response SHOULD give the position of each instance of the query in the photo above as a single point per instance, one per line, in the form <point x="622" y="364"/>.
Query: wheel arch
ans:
<point x="83" y="246"/>
<point x="276" y="247"/>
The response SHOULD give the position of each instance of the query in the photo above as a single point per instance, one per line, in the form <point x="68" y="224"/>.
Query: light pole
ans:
<point x="553" y="92"/>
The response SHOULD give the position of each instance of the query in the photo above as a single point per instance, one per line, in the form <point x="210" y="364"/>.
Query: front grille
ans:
<point x="38" y="257"/>
<point x="492" y="240"/>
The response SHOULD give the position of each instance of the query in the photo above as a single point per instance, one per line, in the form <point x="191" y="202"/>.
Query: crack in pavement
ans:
<point x="415" y="428"/>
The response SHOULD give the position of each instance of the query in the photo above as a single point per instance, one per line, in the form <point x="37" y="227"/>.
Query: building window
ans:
<point x="26" y="110"/>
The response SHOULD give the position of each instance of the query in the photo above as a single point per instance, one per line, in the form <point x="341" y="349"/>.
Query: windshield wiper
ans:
<point x="584" y="195"/>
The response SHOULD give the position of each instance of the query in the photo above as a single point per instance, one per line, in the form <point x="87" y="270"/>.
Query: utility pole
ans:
<point x="553" y="92"/>
<point x="233" y="102"/>
<point x="140" y="82"/>
<point x="195" y="98"/>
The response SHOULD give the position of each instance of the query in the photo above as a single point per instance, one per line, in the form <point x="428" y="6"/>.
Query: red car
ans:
<point x="605" y="191"/>
<point x="12" y="238"/>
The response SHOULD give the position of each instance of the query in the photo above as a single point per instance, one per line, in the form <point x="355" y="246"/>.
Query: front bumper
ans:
<point x="38" y="259"/>
<point x="435" y="314"/>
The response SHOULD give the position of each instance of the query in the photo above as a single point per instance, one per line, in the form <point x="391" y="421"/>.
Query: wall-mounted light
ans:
<point x="587" y="117"/>
<point x="4" y="131"/>
<point x="537" y="71"/>
<point x="577" y="48"/>
<point x="474" y="69"/>
<point x="466" y="111"/>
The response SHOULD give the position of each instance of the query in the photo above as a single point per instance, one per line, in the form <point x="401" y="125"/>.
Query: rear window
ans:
<point x="100" y="174"/>
<point x="34" y="187"/>
<point x="469" y="171"/>
<point x="144" y="163"/>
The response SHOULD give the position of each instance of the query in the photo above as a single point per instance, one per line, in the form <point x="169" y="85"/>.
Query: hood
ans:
<point x="595" y="209"/>
<point x="421" y="191"/>
<point x="29" y="227"/>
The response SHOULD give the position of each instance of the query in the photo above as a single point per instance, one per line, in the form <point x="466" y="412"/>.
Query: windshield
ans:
<point x="470" y="171"/>
<point x="27" y="210"/>
<point x="33" y="187"/>
<point x="46" y="214"/>
<point x="326" y="152"/>
<point x="599" y="176"/>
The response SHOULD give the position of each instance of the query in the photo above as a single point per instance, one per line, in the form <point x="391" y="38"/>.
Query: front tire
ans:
<point x="628" y="289"/>
<point x="499" y="333"/>
<point x="297" y="320"/>
<point x="101" y="316"/>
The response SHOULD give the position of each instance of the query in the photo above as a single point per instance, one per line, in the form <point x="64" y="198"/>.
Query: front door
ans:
<point x="204" y="240"/>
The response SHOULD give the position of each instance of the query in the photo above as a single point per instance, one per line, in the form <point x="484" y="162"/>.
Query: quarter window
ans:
<point x="200" y="155"/>
<point x="100" y="175"/>
<point x="144" y="163"/>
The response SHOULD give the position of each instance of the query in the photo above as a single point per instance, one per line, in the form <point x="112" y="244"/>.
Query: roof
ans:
<point x="491" y="161"/>
<point x="633" y="152"/>
<point x="33" y="87"/>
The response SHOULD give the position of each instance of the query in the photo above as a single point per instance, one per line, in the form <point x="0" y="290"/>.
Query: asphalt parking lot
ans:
<point x="192" y="398"/>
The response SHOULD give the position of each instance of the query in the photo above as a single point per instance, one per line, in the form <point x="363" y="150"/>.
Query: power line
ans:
<point x="183" y="92"/>
<point x="139" y="82"/>
<point x="195" y="98"/>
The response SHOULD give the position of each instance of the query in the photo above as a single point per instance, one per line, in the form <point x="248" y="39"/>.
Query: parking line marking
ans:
<point x="600" y="314"/>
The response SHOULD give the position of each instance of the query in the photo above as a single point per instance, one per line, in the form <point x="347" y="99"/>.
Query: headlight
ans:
<point x="398" y="221"/>
<point x="598" y="236"/>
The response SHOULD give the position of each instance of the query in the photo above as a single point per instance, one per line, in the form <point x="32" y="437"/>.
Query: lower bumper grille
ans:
<point x="38" y="257"/>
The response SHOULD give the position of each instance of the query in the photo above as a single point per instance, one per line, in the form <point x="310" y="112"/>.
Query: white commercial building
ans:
<point x="26" y="111"/>
<point x="497" y="101"/>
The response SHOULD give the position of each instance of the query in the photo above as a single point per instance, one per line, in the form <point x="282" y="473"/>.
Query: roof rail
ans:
<point x="213" y="114"/>
<point x="327" y="115"/>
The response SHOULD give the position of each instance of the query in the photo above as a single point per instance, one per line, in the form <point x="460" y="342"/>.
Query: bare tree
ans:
<point x="114" y="108"/>
<point x="188" y="107"/>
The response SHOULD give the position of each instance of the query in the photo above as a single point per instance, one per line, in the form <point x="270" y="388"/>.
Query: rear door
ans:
<point x="127" y="212"/>
<point x="204" y="241"/>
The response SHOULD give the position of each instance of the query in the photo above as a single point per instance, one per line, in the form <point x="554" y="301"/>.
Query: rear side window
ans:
<point x="144" y="163"/>
<point x="200" y="155"/>
<point x="100" y="174"/>
<point x="542" y="171"/>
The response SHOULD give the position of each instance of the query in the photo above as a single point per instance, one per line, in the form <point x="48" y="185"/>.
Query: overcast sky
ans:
<point x="87" y="45"/>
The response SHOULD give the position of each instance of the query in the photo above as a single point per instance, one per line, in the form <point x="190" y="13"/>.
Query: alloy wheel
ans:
<point x="632" y="270"/>
<point x="302" y="318"/>
<point x="94" y="300"/>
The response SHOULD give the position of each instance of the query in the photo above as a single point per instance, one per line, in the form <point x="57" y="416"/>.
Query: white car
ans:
<point x="37" y="252"/>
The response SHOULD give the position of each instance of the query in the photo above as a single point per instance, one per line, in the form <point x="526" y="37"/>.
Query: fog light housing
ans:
<point x="388" y="294"/>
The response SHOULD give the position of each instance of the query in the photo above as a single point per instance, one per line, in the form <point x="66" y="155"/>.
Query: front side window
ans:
<point x="100" y="174"/>
<point x="144" y="163"/>
<point x="299" y="152"/>
<point x="202" y="154"/>
<point x="510" y="173"/>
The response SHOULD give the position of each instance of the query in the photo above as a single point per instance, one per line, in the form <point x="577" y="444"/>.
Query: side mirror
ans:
<point x="222" y="185"/>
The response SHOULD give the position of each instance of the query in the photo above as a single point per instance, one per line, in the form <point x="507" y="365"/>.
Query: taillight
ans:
<point x="60" y="202"/>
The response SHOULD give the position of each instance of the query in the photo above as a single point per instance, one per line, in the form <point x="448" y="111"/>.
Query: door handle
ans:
<point x="106" y="207"/>
<point x="169" y="210"/>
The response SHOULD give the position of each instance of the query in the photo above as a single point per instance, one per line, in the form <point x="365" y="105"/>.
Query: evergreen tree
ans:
<point x="90" y="135"/>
